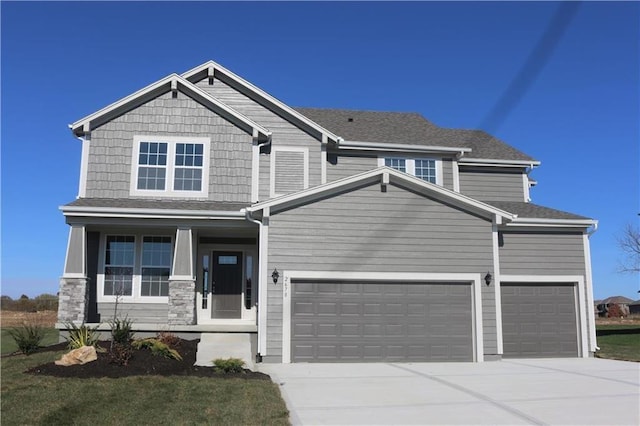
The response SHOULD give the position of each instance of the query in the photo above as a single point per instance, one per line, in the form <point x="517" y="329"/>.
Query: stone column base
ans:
<point x="182" y="302"/>
<point x="73" y="300"/>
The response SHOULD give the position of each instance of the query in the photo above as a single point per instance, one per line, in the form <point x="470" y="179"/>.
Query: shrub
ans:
<point x="121" y="331"/>
<point x="120" y="353"/>
<point x="27" y="337"/>
<point x="229" y="365"/>
<point x="82" y="336"/>
<point x="169" y="339"/>
<point x="615" y="311"/>
<point x="157" y="348"/>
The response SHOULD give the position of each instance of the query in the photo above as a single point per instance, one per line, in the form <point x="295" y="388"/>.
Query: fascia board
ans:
<point x="264" y="95"/>
<point x="373" y="176"/>
<point x="122" y="102"/>
<point x="496" y="162"/>
<point x="150" y="213"/>
<point x="380" y="146"/>
<point x="532" y="221"/>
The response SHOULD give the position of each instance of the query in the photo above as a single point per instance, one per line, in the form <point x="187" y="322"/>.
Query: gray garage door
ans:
<point x="372" y="321"/>
<point x="539" y="320"/>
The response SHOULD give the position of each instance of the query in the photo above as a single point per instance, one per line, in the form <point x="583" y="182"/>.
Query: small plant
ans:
<point x="27" y="337"/>
<point x="157" y="348"/>
<point x="169" y="339"/>
<point x="120" y="353"/>
<point x="229" y="365"/>
<point x="82" y="336"/>
<point x="121" y="331"/>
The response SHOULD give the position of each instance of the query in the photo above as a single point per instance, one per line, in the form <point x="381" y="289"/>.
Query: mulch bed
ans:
<point x="142" y="363"/>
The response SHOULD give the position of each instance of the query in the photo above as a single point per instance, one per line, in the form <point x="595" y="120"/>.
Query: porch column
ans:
<point x="73" y="297"/>
<point x="182" y="282"/>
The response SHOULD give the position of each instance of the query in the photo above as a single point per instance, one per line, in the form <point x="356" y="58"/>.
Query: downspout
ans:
<point x="589" y="277"/>
<point x="261" y="268"/>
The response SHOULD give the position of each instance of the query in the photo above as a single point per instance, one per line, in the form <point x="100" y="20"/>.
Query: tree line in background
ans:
<point x="43" y="302"/>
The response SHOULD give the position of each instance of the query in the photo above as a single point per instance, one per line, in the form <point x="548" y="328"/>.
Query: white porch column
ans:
<point x="182" y="282"/>
<point x="73" y="297"/>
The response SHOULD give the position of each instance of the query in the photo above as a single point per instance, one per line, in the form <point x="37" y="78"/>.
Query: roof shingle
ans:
<point x="409" y="128"/>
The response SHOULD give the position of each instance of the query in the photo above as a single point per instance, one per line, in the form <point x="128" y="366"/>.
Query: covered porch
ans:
<point x="183" y="273"/>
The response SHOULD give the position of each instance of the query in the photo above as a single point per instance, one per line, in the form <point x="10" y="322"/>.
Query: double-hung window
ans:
<point x="428" y="169"/>
<point x="170" y="166"/>
<point x="156" y="266"/>
<point x="119" y="262"/>
<point x="135" y="268"/>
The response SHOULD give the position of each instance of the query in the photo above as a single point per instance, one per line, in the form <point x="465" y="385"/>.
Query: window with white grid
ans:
<point x="156" y="266"/>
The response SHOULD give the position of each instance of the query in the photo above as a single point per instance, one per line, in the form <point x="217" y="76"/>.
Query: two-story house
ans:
<point x="207" y="205"/>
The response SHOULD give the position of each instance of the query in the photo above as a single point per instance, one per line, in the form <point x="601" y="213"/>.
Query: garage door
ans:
<point x="539" y="320"/>
<point x="373" y="321"/>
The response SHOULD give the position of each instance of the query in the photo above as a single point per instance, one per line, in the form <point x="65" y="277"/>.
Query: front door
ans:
<point x="226" y="285"/>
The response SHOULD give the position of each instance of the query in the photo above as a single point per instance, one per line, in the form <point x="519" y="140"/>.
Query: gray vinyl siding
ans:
<point x="289" y="171"/>
<point x="140" y="313"/>
<point x="492" y="185"/>
<point x="283" y="132"/>
<point x="342" y="166"/>
<point x="110" y="156"/>
<point x="369" y="231"/>
<point x="447" y="173"/>
<point x="539" y="253"/>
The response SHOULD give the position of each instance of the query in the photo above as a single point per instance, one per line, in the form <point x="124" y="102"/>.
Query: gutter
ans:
<point x="379" y="146"/>
<point x="158" y="213"/>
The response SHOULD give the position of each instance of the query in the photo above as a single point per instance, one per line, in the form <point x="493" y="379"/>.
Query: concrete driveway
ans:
<point x="528" y="391"/>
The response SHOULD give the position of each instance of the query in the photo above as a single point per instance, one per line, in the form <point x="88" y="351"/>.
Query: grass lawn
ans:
<point x="8" y="345"/>
<point x="619" y="341"/>
<point x="176" y="400"/>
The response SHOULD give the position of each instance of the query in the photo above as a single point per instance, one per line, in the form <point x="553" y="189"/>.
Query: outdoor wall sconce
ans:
<point x="487" y="278"/>
<point x="275" y="275"/>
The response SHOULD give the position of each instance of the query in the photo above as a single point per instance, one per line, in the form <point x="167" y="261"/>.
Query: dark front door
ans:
<point x="226" y="288"/>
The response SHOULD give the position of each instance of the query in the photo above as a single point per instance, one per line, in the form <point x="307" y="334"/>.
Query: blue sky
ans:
<point x="577" y="110"/>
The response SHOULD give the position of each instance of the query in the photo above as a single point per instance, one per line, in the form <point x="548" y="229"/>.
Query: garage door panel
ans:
<point x="382" y="322"/>
<point x="539" y="320"/>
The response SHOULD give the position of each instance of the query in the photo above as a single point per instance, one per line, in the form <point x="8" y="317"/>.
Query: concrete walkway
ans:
<point x="224" y="345"/>
<point x="528" y="391"/>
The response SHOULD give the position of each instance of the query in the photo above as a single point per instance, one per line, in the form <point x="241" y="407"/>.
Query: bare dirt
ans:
<point x="18" y="318"/>
<point x="629" y="320"/>
<point x="142" y="363"/>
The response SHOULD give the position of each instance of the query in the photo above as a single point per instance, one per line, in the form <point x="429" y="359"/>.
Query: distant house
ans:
<point x="634" y="308"/>
<point x="206" y="205"/>
<point x="603" y="306"/>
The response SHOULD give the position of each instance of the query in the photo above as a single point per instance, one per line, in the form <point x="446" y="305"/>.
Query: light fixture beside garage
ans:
<point x="488" y="278"/>
<point x="275" y="275"/>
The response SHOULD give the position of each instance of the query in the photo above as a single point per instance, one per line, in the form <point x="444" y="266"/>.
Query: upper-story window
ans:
<point x="170" y="166"/>
<point x="429" y="169"/>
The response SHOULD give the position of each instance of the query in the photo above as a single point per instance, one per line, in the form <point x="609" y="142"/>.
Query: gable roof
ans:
<point x="409" y="128"/>
<point x="162" y="86"/>
<point x="384" y="175"/>
<point x="213" y="69"/>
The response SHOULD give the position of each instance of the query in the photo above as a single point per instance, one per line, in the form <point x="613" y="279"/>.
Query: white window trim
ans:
<point x="136" y="296"/>
<point x="272" y="171"/>
<point x="474" y="280"/>
<point x="171" y="142"/>
<point x="410" y="165"/>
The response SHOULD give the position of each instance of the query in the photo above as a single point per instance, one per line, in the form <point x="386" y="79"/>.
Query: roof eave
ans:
<point x="75" y="211"/>
<point x="381" y="146"/>
<point x="164" y="85"/>
<point x="498" y="162"/>
<point x="546" y="222"/>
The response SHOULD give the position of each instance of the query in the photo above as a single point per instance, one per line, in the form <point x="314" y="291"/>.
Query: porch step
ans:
<point x="224" y="345"/>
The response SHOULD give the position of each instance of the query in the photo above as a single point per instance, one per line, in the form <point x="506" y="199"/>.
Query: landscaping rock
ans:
<point x="78" y="356"/>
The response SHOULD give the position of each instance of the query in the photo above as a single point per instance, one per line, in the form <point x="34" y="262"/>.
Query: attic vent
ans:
<point x="350" y="120"/>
